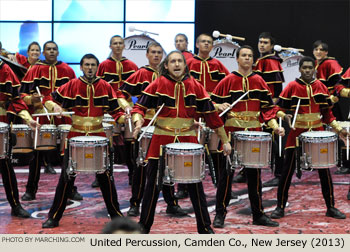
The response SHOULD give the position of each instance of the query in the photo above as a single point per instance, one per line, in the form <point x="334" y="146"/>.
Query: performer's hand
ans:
<point x="280" y="131"/>
<point x="36" y="98"/>
<point x="58" y="109"/>
<point x="196" y="126"/>
<point x="223" y="106"/>
<point x="12" y="57"/>
<point x="137" y="129"/>
<point x="343" y="134"/>
<point x="33" y="124"/>
<point x="288" y="119"/>
<point x="227" y="149"/>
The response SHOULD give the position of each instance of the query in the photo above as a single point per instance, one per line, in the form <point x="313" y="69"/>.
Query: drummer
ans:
<point x="84" y="96"/>
<point x="9" y="92"/>
<point x="181" y="44"/>
<point x="256" y="105"/>
<point x="175" y="123"/>
<point x="314" y="110"/>
<point x="268" y="66"/>
<point x="134" y="86"/>
<point x="47" y="75"/>
<point x="115" y="70"/>
<point x="34" y="51"/>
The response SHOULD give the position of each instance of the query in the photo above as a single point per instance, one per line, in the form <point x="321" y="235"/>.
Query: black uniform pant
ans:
<point x="151" y="195"/>
<point x="65" y="186"/>
<point x="276" y="160"/>
<point x="38" y="159"/>
<point x="286" y="178"/>
<point x="10" y="182"/>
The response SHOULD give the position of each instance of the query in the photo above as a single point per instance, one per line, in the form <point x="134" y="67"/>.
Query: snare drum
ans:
<point x="47" y="137"/>
<point x="63" y="131"/>
<point x="107" y="118"/>
<point x="146" y="139"/>
<point x="225" y="51"/>
<point x="318" y="149"/>
<point x="252" y="149"/>
<point x="290" y="66"/>
<point x="4" y="136"/>
<point x="136" y="48"/>
<point x="88" y="154"/>
<point x="24" y="137"/>
<point x="184" y="163"/>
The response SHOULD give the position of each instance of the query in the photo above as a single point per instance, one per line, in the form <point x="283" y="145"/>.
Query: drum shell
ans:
<point x="88" y="154"/>
<point x="4" y="136"/>
<point x="146" y="139"/>
<point x="213" y="140"/>
<point x="185" y="165"/>
<point x="107" y="118"/>
<point x="127" y="132"/>
<point x="24" y="138"/>
<point x="63" y="130"/>
<point x="47" y="137"/>
<point x="225" y="51"/>
<point x="321" y="147"/>
<point x="254" y="148"/>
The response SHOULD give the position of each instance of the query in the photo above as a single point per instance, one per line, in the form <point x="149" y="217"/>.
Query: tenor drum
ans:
<point x="108" y="128"/>
<point x="88" y="154"/>
<point x="213" y="141"/>
<point x="146" y="139"/>
<point x="184" y="163"/>
<point x="136" y="48"/>
<point x="252" y="148"/>
<point x="4" y="136"/>
<point x="24" y="137"/>
<point x="128" y="132"/>
<point x="107" y="118"/>
<point x="225" y="51"/>
<point x="290" y="66"/>
<point x="47" y="137"/>
<point x="63" y="131"/>
<point x="318" y="149"/>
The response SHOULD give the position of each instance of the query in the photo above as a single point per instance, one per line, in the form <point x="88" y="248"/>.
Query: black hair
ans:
<point x="244" y="47"/>
<point x="320" y="43"/>
<point x="306" y="59"/>
<point x="49" y="42"/>
<point x="89" y="56"/>
<point x="34" y="43"/>
<point x="163" y="71"/>
<point x="268" y="35"/>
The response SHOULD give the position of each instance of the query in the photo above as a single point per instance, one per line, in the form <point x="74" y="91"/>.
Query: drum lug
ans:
<point x="168" y="176"/>
<point x="236" y="160"/>
<point x="306" y="162"/>
<point x="72" y="167"/>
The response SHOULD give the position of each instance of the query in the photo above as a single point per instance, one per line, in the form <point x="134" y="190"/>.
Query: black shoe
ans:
<point x="50" y="223"/>
<point x="219" y="221"/>
<point x="49" y="169"/>
<point x="234" y="195"/>
<point x="240" y="178"/>
<point x="335" y="213"/>
<point x="181" y="194"/>
<point x="278" y="213"/>
<point x="75" y="195"/>
<point x="95" y="184"/>
<point x="175" y="211"/>
<point x="27" y="196"/>
<point x="207" y="230"/>
<point x="18" y="211"/>
<point x="143" y="229"/>
<point x="343" y="170"/>
<point x="272" y="182"/>
<point x="133" y="211"/>
<point x="348" y="196"/>
<point x="264" y="220"/>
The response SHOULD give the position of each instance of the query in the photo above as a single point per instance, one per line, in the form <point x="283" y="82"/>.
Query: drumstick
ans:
<point x="280" y="138"/>
<point x="199" y="132"/>
<point x="347" y="145"/>
<point x="279" y="48"/>
<point x="296" y="113"/>
<point x="151" y="122"/>
<point x="129" y="120"/>
<point x="217" y="34"/>
<point x="111" y="81"/>
<point x="41" y="99"/>
<point x="55" y="113"/>
<point x="233" y="104"/>
<point x="36" y="133"/>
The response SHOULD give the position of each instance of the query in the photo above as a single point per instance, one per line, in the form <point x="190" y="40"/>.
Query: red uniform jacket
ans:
<point x="207" y="71"/>
<point x="329" y="72"/>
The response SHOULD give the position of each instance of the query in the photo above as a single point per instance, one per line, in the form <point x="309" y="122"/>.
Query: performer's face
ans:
<point x="320" y="53"/>
<point x="307" y="71"/>
<point x="50" y="53"/>
<point x="154" y="55"/>
<point x="176" y="66"/>
<point x="265" y="46"/>
<point x="180" y="43"/>
<point x="117" y="45"/>
<point x="89" y="68"/>
<point x="245" y="58"/>
<point x="204" y="44"/>
<point x="34" y="52"/>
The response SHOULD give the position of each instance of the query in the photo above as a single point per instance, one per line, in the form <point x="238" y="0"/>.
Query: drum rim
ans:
<point x="196" y="146"/>
<point x="89" y="139"/>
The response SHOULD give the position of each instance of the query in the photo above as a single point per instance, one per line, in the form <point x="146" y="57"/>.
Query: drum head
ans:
<point x="48" y="127"/>
<point x="3" y="125"/>
<point x="318" y="136"/>
<point x="184" y="146"/>
<point x="136" y="48"/>
<point x="251" y="135"/>
<point x="20" y="127"/>
<point x="107" y="125"/>
<point x="225" y="51"/>
<point x="88" y="139"/>
<point x="64" y="127"/>
<point x="150" y="130"/>
<point x="290" y="67"/>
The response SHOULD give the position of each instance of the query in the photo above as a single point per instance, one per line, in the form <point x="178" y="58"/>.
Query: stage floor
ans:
<point x="305" y="212"/>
